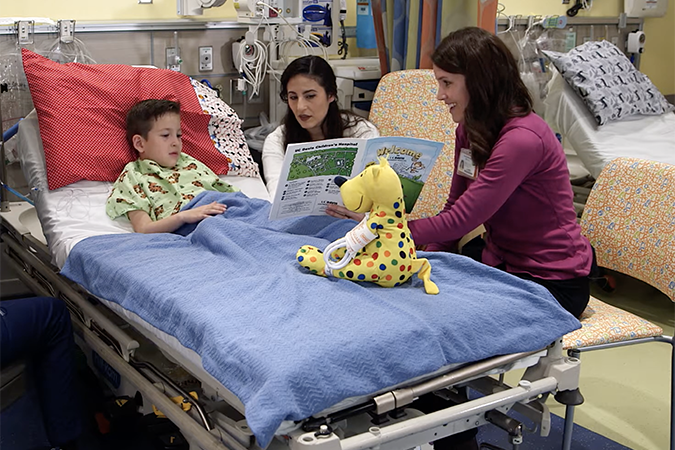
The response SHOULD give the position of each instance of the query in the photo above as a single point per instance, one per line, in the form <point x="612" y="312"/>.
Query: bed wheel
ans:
<point x="570" y="397"/>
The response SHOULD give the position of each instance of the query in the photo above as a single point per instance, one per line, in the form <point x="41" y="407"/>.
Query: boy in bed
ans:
<point x="152" y="189"/>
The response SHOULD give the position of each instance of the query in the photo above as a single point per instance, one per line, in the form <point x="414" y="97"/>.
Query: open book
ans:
<point x="306" y="184"/>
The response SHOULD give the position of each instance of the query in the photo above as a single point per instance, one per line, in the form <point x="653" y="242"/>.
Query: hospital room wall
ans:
<point x="131" y="11"/>
<point x="658" y="59"/>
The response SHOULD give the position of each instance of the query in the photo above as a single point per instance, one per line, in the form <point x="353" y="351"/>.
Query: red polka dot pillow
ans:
<point x="81" y="111"/>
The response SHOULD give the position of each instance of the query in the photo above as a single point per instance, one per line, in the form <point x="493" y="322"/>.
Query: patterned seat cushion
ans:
<point x="603" y="324"/>
<point x="405" y="104"/>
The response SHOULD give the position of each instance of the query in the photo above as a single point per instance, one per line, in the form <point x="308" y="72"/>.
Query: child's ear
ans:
<point x="137" y="140"/>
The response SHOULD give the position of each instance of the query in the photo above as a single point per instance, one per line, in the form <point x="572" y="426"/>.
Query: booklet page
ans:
<point x="306" y="184"/>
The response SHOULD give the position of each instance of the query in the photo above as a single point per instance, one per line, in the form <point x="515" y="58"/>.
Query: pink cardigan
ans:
<point x="523" y="197"/>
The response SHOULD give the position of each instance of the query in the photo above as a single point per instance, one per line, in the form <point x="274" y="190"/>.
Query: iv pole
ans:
<point x="4" y="202"/>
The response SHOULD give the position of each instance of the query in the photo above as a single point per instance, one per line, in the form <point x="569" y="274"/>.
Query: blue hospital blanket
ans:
<point x="290" y="344"/>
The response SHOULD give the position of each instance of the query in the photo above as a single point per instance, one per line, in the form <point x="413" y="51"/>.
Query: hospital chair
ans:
<point x="629" y="219"/>
<point x="405" y="104"/>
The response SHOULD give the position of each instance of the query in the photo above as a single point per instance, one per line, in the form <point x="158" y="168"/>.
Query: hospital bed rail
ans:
<point x="25" y="255"/>
<point x="554" y="374"/>
<point x="43" y="280"/>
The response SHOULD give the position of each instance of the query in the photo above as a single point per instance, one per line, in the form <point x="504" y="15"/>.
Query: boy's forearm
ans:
<point x="165" y="225"/>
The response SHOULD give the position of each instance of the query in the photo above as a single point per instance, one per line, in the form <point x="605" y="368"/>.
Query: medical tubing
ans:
<point x="173" y="412"/>
<point x="357" y="238"/>
<point x="21" y="196"/>
<point x="11" y="131"/>
<point x="339" y="264"/>
<point x="186" y="396"/>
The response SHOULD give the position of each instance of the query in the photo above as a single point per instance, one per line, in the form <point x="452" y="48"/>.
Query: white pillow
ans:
<point x="610" y="86"/>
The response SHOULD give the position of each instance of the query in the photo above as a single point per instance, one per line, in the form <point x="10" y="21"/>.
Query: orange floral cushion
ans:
<point x="405" y="104"/>
<point x="629" y="219"/>
<point x="603" y="324"/>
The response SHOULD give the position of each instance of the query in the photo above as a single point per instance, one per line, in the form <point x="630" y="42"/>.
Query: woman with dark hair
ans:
<point x="309" y="87"/>
<point x="510" y="175"/>
<point x="514" y="178"/>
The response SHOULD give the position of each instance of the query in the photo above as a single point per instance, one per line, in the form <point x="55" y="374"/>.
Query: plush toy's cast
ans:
<point x="380" y="248"/>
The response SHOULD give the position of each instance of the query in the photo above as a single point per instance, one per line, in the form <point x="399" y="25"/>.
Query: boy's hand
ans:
<point x="196" y="214"/>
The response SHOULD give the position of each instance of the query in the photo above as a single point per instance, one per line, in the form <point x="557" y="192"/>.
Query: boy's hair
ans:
<point x="141" y="116"/>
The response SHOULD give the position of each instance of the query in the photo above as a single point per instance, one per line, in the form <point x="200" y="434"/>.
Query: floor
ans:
<point x="627" y="389"/>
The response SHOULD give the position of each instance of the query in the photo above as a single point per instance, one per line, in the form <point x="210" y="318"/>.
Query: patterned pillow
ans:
<point x="225" y="131"/>
<point x="609" y="84"/>
<point x="81" y="111"/>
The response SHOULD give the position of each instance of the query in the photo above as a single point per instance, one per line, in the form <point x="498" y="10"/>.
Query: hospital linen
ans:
<point x="290" y="344"/>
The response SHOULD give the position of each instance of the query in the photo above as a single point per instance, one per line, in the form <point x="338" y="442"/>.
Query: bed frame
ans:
<point x="120" y="356"/>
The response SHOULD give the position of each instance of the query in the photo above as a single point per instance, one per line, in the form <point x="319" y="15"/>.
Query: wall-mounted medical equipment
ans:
<point x="645" y="8"/>
<point x="67" y="48"/>
<point x="579" y="5"/>
<point x="319" y="17"/>
<point x="268" y="11"/>
<point x="275" y="34"/>
<point x="196" y="7"/>
<point x="636" y="42"/>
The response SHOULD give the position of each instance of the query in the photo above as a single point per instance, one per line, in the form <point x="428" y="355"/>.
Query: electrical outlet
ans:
<point x="205" y="59"/>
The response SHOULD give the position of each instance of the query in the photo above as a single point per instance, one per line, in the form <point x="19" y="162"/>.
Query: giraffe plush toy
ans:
<point x="380" y="248"/>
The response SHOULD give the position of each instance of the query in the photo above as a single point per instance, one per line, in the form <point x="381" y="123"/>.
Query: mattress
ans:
<point x="645" y="137"/>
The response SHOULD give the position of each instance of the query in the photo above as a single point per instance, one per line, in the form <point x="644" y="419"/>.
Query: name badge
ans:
<point x="465" y="166"/>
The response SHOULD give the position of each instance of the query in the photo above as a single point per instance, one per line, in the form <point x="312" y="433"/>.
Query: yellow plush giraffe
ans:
<point x="380" y="248"/>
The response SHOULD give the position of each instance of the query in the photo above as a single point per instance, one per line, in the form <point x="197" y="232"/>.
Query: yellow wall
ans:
<point x="121" y="10"/>
<point x="116" y="10"/>
<point x="658" y="59"/>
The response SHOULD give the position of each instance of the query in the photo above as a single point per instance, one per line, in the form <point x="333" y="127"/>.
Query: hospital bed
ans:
<point x="133" y="352"/>
<point x="118" y="340"/>
<point x="589" y="147"/>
